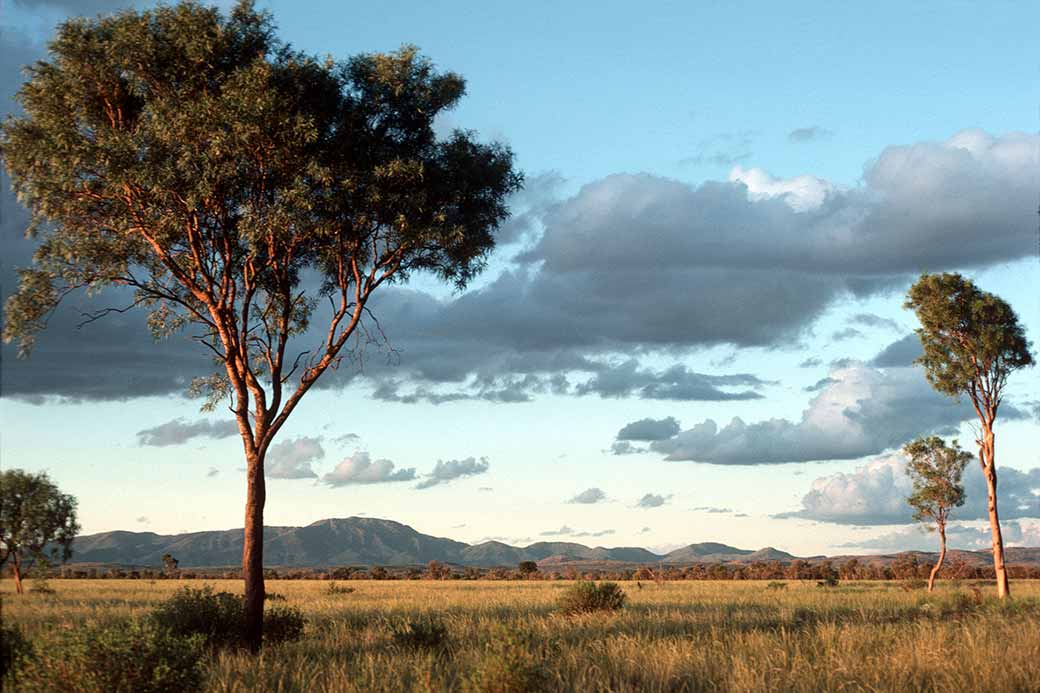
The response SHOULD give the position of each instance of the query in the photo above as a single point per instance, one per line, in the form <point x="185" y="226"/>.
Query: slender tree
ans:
<point x="972" y="342"/>
<point x="37" y="522"/>
<point x="237" y="186"/>
<point x="935" y="469"/>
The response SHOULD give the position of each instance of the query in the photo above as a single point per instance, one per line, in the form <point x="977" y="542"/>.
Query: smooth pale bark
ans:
<point x="986" y="454"/>
<point x="942" y="557"/>
<point x="253" y="552"/>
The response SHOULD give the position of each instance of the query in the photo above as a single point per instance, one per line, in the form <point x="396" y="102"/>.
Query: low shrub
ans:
<point x="587" y="597"/>
<point x="124" y="657"/>
<point x="283" y="624"/>
<point x="912" y="584"/>
<point x="777" y="585"/>
<point x="15" y="649"/>
<point x="273" y="597"/>
<point x="427" y="632"/>
<point x="219" y="617"/>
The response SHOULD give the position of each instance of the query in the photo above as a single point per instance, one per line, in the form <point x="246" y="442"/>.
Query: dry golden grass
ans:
<point x="682" y="636"/>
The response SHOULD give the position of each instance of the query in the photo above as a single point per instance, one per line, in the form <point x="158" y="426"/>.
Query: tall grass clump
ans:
<point x="514" y="660"/>
<point x="120" y="657"/>
<point x="219" y="617"/>
<point x="587" y="597"/>
<point x="425" y="632"/>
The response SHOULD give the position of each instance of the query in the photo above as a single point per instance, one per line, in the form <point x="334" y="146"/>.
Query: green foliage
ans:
<point x="283" y="624"/>
<point x="425" y="632"/>
<point x="935" y="469"/>
<point x="37" y="520"/>
<point x="123" y="657"/>
<point x="15" y="649"/>
<point x="198" y="160"/>
<point x="776" y="585"/>
<point x="972" y="339"/>
<point x="586" y="597"/>
<point x="219" y="618"/>
<point x="527" y="568"/>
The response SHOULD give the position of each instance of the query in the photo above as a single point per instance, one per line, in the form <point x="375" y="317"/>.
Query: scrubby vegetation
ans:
<point x="134" y="656"/>
<point x="219" y="618"/>
<point x="512" y="636"/>
<point x="586" y="597"/>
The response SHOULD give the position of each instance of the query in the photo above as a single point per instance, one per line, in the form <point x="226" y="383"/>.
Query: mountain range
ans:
<point x="371" y="541"/>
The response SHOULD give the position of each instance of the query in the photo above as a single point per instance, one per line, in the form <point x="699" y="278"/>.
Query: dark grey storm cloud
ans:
<point x="748" y="262"/>
<point x="292" y="458"/>
<point x="81" y="8"/>
<point x="872" y="320"/>
<point x="652" y="500"/>
<point x="179" y="431"/>
<point x="808" y="134"/>
<point x="900" y="353"/>
<point x="360" y="468"/>
<point x="624" y="447"/>
<point x="589" y="496"/>
<point x="875" y="494"/>
<point x="819" y="384"/>
<point x="649" y="429"/>
<point x="449" y="470"/>
<point x="845" y="333"/>
<point x="865" y="411"/>
<point x="675" y="383"/>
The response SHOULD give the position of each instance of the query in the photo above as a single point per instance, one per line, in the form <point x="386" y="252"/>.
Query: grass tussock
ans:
<point x="512" y="636"/>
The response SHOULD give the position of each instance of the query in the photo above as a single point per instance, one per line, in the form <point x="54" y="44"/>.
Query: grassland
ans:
<point x="682" y="636"/>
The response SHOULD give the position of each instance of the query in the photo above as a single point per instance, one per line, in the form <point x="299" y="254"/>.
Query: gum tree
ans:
<point x="972" y="343"/>
<point x="37" y="522"/>
<point x="244" y="191"/>
<point x="935" y="469"/>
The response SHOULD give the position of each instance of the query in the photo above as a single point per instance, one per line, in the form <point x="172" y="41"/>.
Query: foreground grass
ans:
<point x="683" y="636"/>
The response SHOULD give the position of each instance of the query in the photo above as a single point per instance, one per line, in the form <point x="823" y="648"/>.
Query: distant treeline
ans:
<point x="903" y="568"/>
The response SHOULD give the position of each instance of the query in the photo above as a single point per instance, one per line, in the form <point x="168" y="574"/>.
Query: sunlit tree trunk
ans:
<point x="16" y="571"/>
<point x="942" y="556"/>
<point x="253" y="552"/>
<point x="986" y="454"/>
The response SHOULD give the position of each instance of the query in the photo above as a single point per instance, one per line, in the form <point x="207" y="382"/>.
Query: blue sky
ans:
<point x="766" y="180"/>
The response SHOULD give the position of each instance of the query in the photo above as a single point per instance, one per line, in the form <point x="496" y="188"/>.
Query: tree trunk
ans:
<point x="253" y="552"/>
<point x="16" y="571"/>
<point x="942" y="557"/>
<point x="989" y="469"/>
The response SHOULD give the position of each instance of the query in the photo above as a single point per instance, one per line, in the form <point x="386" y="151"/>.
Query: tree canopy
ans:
<point x="37" y="520"/>
<point x="935" y="469"/>
<point x="232" y="181"/>
<point x="243" y="189"/>
<point x="972" y="339"/>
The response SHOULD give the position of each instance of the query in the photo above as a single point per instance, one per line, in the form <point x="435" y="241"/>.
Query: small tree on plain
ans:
<point x="527" y="568"/>
<point x="972" y="342"/>
<point x="37" y="522"/>
<point x="237" y="187"/>
<point x="935" y="469"/>
<point x="169" y="564"/>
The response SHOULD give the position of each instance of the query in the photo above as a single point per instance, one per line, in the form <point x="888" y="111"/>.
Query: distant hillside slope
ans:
<point x="371" y="541"/>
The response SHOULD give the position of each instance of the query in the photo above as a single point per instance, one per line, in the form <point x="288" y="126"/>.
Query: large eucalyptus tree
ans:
<point x="239" y="188"/>
<point x="972" y="342"/>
